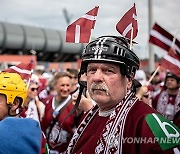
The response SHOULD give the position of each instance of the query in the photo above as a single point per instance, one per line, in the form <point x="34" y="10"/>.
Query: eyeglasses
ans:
<point x="33" y="89"/>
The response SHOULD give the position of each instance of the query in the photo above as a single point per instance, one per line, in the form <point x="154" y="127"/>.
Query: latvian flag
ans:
<point x="127" y="22"/>
<point x="163" y="39"/>
<point x="24" y="70"/>
<point x="171" y="61"/>
<point x="80" y="30"/>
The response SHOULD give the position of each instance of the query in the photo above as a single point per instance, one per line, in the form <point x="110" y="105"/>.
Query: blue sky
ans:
<point x="49" y="14"/>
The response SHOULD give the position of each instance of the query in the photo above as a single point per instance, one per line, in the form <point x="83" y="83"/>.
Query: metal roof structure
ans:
<point x="50" y="45"/>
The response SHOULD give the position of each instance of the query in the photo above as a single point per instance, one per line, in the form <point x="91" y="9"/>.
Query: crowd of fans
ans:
<point x="52" y="96"/>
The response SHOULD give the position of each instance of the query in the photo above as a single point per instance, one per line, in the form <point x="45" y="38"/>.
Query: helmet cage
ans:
<point x="111" y="49"/>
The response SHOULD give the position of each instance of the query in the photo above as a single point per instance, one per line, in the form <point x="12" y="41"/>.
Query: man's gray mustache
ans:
<point x="102" y="87"/>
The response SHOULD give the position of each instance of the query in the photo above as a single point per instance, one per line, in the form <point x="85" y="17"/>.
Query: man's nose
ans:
<point x="66" y="88"/>
<point x="98" y="75"/>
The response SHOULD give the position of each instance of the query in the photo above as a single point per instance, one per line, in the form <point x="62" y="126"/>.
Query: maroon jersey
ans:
<point x="135" y="127"/>
<point x="58" y="135"/>
<point x="167" y="105"/>
<point x="171" y="100"/>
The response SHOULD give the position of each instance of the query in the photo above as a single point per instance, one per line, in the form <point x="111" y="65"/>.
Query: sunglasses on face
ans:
<point x="33" y="89"/>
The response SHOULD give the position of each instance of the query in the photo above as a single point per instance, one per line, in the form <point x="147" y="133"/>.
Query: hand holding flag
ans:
<point x="80" y="30"/>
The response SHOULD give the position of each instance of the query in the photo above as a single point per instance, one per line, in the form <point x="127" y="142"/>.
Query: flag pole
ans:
<point x="30" y="78"/>
<point x="131" y="38"/>
<point x="149" y="81"/>
<point x="173" y="42"/>
<point x="150" y="47"/>
<point x="33" y="52"/>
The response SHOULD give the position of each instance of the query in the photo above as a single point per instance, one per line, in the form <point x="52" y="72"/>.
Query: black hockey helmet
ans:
<point x="172" y="75"/>
<point x="112" y="49"/>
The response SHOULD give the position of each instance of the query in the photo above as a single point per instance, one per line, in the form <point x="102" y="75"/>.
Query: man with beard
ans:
<point x="120" y="122"/>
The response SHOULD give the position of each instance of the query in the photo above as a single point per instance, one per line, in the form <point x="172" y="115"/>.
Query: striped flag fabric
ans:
<point x="127" y="22"/>
<point x="77" y="34"/>
<point x="80" y="30"/>
<point x="171" y="61"/>
<point x="24" y="70"/>
<point x="163" y="39"/>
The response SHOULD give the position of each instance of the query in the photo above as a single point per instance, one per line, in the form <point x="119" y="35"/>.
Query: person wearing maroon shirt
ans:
<point x="168" y="101"/>
<point x="120" y="123"/>
<point x="56" y="124"/>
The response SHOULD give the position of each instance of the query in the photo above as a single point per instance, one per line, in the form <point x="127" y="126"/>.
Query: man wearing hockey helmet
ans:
<point x="120" y="119"/>
<point x="13" y="92"/>
<point x="168" y="100"/>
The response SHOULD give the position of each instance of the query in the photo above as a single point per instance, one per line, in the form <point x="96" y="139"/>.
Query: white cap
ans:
<point x="141" y="77"/>
<point x="47" y="75"/>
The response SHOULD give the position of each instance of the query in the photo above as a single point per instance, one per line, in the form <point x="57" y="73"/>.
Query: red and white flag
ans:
<point x="127" y="22"/>
<point x="24" y="70"/>
<point x="171" y="61"/>
<point x="163" y="39"/>
<point x="80" y="30"/>
<point x="77" y="34"/>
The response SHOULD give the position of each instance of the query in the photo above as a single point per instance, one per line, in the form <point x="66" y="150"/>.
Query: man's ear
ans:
<point x="129" y="83"/>
<point x="178" y="84"/>
<point x="15" y="104"/>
